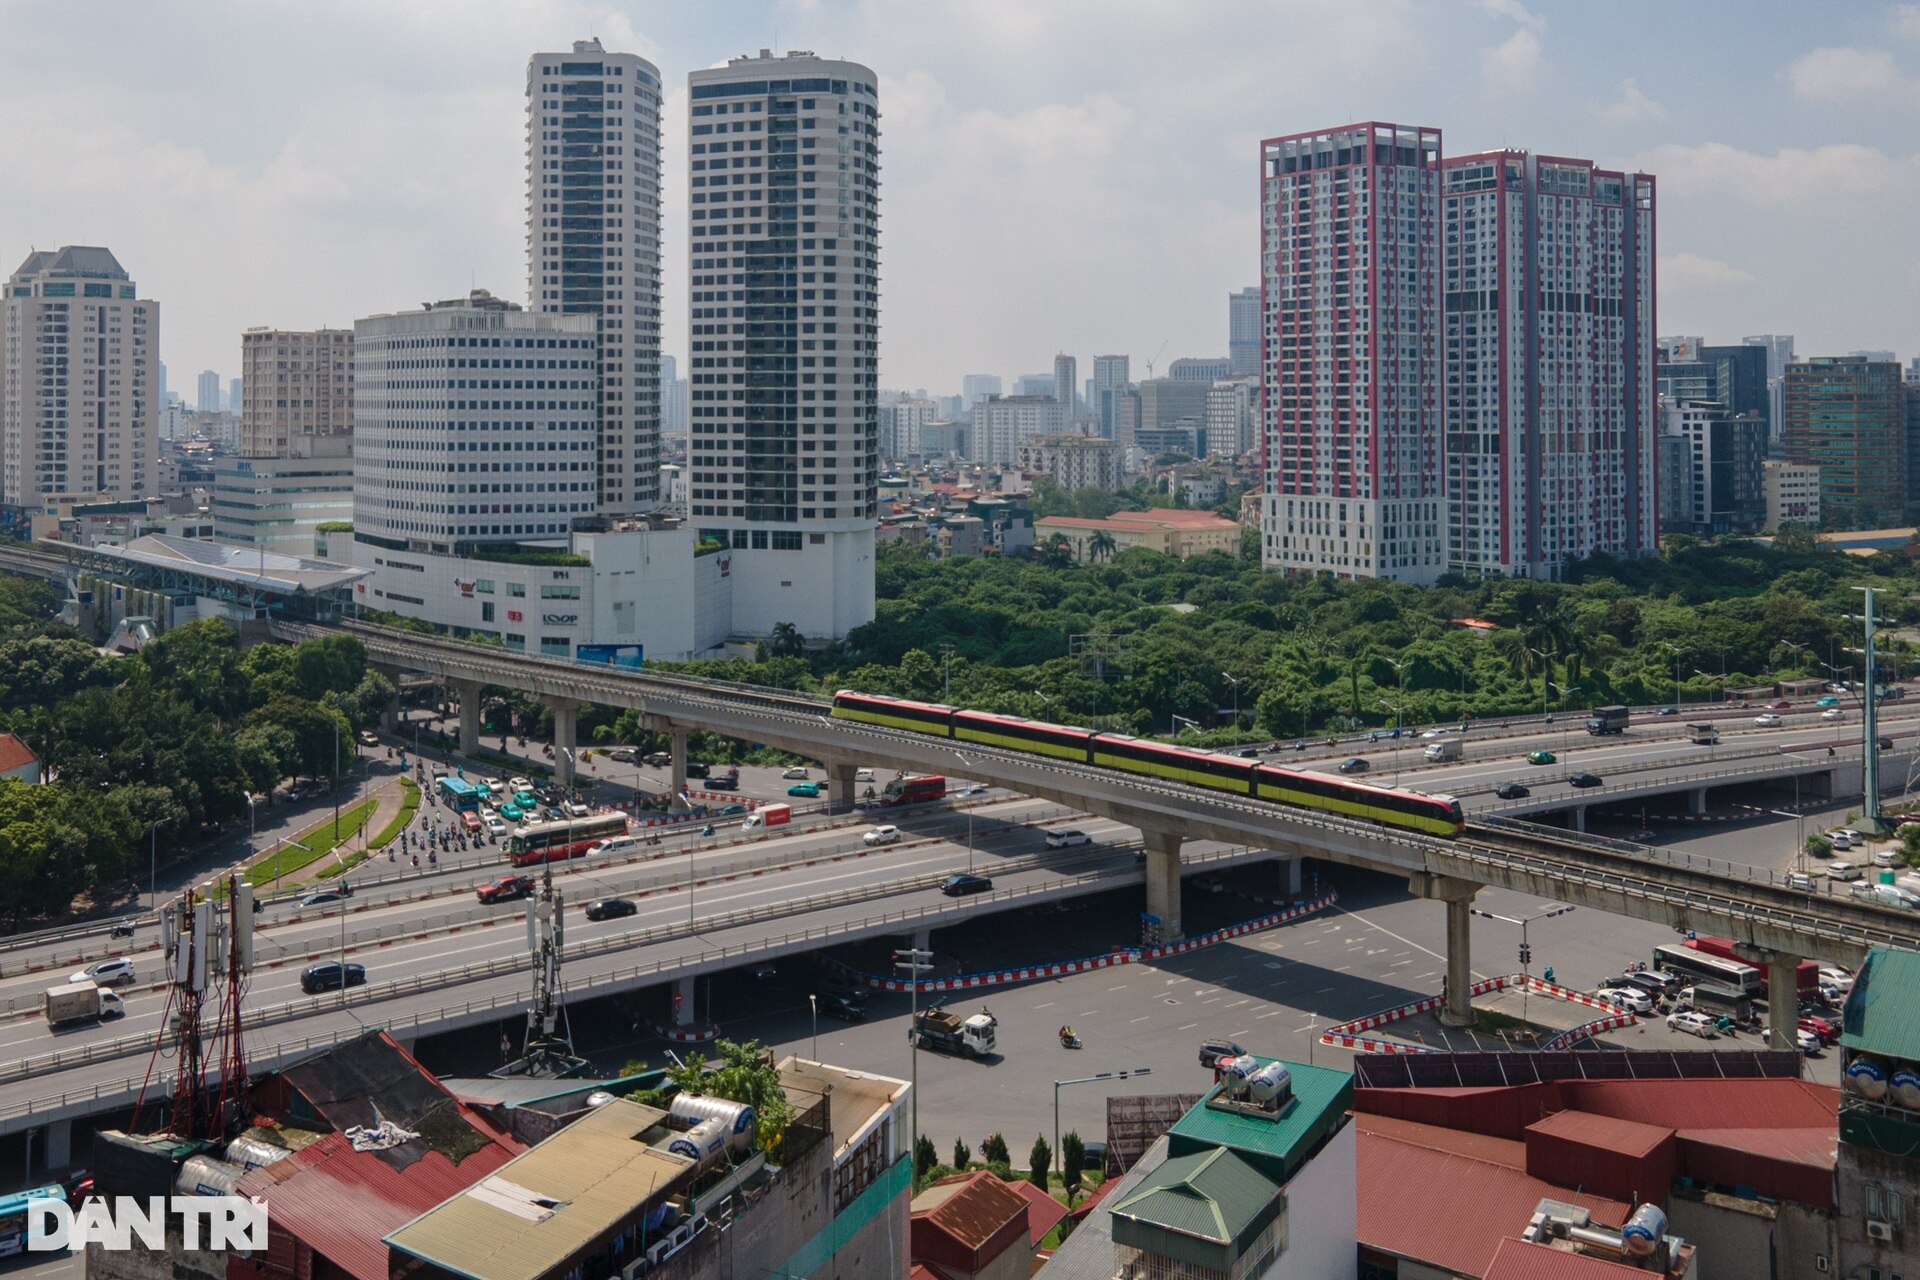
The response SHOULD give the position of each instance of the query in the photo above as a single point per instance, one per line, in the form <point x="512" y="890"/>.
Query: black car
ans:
<point x="960" y="886"/>
<point x="1212" y="1051"/>
<point x="698" y="769"/>
<point x="842" y="1007"/>
<point x="1354" y="764"/>
<point x="610" y="909"/>
<point x="1583" y="779"/>
<point x="325" y="976"/>
<point x="1512" y="791"/>
<point x="1247" y="753"/>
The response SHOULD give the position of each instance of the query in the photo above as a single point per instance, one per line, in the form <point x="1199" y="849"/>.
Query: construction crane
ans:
<point x="1156" y="356"/>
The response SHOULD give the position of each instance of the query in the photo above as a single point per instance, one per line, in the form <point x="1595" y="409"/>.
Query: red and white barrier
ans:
<point x="1345" y="1035"/>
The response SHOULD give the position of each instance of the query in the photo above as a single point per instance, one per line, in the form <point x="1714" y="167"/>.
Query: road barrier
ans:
<point x="1346" y="1035"/>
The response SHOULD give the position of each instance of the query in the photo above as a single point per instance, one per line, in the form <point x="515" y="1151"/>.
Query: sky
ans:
<point x="1056" y="175"/>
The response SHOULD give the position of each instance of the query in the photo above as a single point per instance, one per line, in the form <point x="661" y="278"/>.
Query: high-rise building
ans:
<point x="1847" y="416"/>
<point x="1350" y="262"/>
<point x="1243" y="331"/>
<point x="236" y="388"/>
<point x="1110" y="375"/>
<point x="1779" y="348"/>
<point x="1550" y="414"/>
<point x="301" y="385"/>
<point x="785" y="212"/>
<point x="444" y="465"/>
<point x="1167" y="402"/>
<point x="279" y="503"/>
<point x="1065" y="374"/>
<point x="208" y="400"/>
<point x="593" y="243"/>
<point x="1000" y="423"/>
<point x="901" y="423"/>
<point x="1877" y="357"/>
<point x="673" y="398"/>
<point x="1910" y="399"/>
<point x="1793" y="493"/>
<point x="1207" y="369"/>
<point x="1033" y="384"/>
<point x="1720" y="481"/>
<point x="79" y="377"/>
<point x="978" y="386"/>
<point x="161" y="398"/>
<point x="1735" y="376"/>
<point x="1232" y="415"/>
<point x="1073" y="461"/>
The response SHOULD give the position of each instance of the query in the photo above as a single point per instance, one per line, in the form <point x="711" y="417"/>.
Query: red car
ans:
<point x="1827" y="1031"/>
<point x="1781" y="705"/>
<point x="504" y="889"/>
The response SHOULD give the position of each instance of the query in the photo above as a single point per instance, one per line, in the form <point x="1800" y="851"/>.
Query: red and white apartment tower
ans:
<point x="1458" y="369"/>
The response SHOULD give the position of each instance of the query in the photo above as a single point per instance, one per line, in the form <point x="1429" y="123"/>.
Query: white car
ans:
<point x="106" y="973"/>
<point x="1886" y="857"/>
<point x="519" y="784"/>
<point x="1842" y="839"/>
<point x="1628" y="998"/>
<point x="796" y="774"/>
<point x="496" y="824"/>
<point x="1694" y="1024"/>
<point x="863" y="775"/>
<point x="1809" y="1043"/>
<point x="577" y="810"/>
<point x="1434" y="733"/>
<point x="1839" y="979"/>
<point x="882" y="835"/>
<point x="1842" y="871"/>
<point x="1066" y="838"/>
<point x="1768" y="720"/>
<point x="1833" y="713"/>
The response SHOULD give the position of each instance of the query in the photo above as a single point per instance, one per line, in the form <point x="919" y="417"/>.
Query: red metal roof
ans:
<point x="1501" y="1151"/>
<point x="1461" y="1230"/>
<point x="1043" y="1211"/>
<point x="1519" y="1260"/>
<point x="977" y="1219"/>
<point x="14" y="754"/>
<point x="1085" y="1207"/>
<point x="1709" y="1104"/>
<point x="1628" y="1137"/>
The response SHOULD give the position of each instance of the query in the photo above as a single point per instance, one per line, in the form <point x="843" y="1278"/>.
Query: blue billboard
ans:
<point x="611" y="655"/>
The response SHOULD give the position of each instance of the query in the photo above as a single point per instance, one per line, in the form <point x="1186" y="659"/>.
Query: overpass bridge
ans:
<point x="1777" y="925"/>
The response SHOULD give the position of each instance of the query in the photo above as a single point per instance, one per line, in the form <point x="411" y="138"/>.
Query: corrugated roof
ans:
<point x="1459" y="1231"/>
<point x="1816" y="1148"/>
<point x="589" y="1177"/>
<point x="1210" y="1195"/>
<point x="340" y="1202"/>
<point x="1043" y="1211"/>
<point x="1520" y="1260"/>
<point x="1611" y="1133"/>
<point x="1708" y="1104"/>
<point x="1321" y="1096"/>
<point x="1478" y="1146"/>
<point x="970" y="1207"/>
<point x="1882" y="1013"/>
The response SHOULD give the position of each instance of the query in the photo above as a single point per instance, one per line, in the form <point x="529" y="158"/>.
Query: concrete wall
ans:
<point x="1322" y="1222"/>
<point x="1853" y="1252"/>
<point x="1734" y="1238"/>
<point x="825" y="589"/>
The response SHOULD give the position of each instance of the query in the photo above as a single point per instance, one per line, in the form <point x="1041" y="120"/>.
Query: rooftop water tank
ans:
<point x="206" y="1176"/>
<point x="1867" y="1078"/>
<point x="1644" y="1230"/>
<point x="738" y="1117"/>
<point x="1270" y="1082"/>
<point x="251" y="1153"/>
<point x="1905" y="1088"/>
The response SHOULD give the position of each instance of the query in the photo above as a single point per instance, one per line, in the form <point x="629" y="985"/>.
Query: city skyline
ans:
<point x="387" y="167"/>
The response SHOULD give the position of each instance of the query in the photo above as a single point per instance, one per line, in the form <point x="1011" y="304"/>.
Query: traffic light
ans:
<point x="1526" y="954"/>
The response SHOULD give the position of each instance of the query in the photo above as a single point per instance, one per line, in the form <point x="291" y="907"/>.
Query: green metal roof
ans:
<point x="1203" y="1208"/>
<point x="1276" y="1145"/>
<point x="1882" y="1013"/>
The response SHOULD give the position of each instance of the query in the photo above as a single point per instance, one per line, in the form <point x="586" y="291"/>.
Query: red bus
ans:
<point x="915" y="790"/>
<point x="1807" y="980"/>
<point x="539" y="842"/>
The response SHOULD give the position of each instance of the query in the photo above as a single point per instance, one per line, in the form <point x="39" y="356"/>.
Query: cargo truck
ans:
<point x="81" y="1002"/>
<point x="1445" y="749"/>
<point x="938" y="1028"/>
<point x="1608" y="720"/>
<point x="772" y="815"/>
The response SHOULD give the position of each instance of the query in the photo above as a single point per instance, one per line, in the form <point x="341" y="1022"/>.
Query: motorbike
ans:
<point x="124" y="929"/>
<point x="707" y="830"/>
<point x="1069" y="1040"/>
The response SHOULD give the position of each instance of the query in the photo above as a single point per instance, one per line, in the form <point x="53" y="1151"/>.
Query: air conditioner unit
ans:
<point x="1877" y="1230"/>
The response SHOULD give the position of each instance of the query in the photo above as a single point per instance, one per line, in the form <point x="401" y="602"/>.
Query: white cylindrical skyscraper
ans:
<point x="593" y="243"/>
<point x="783" y="220"/>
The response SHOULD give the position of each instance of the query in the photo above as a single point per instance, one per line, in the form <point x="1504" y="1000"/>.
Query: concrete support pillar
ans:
<point x="842" y="791"/>
<point x="390" y="715"/>
<point x="1458" y="895"/>
<point x="1163" y="881"/>
<point x="921" y="939"/>
<point x="1580" y="817"/>
<point x="57" y="1144"/>
<point x="677" y="735"/>
<point x="566" y="718"/>
<point x="1783" y="1000"/>
<point x="1697" y="801"/>
<point x="468" y="691"/>
<point x="683" y="1002"/>
<point x="1290" y="871"/>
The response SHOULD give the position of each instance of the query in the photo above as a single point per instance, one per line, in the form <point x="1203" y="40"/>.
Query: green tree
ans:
<point x="785" y="641"/>
<point x="1100" y="546"/>
<point x="1038" y="1159"/>
<point x="962" y="1154"/>
<point x="1073" y="1159"/>
<point x="994" y="1149"/>
<point x="743" y="1074"/>
<point x="924" y="1157"/>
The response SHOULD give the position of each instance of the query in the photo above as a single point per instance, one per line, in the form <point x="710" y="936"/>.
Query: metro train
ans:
<point x="1323" y="793"/>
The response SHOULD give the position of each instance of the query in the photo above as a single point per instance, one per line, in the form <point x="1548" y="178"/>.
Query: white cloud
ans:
<point x="1844" y="75"/>
<point x="1517" y="11"/>
<point x="1906" y="21"/>
<point x="1689" y="272"/>
<point x="1513" y="64"/>
<point x="1840" y="179"/>
<point x="1633" y="106"/>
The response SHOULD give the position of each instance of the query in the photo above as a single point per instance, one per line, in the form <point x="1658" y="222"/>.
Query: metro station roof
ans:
<point x="234" y="565"/>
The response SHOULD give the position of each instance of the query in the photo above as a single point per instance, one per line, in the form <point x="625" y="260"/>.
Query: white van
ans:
<point x="619" y="844"/>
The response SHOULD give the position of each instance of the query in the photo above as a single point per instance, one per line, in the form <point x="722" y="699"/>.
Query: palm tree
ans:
<point x="786" y="641"/>
<point x="1101" y="546"/>
<point x="1057" y="551"/>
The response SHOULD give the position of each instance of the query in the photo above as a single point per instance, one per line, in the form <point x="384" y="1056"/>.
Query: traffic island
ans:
<point x="1514" y="1012"/>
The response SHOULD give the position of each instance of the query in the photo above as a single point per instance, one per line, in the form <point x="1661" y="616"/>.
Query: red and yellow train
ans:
<point x="1323" y="793"/>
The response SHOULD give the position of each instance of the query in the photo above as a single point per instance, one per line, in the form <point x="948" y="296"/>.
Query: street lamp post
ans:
<point x="153" y="859"/>
<point x="1395" y="708"/>
<point x="1092" y="1079"/>
<point x="1234" y="681"/>
<point x="813" y="1003"/>
<point x="969" y="764"/>
<point x="1526" y="951"/>
<point x="914" y="962"/>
